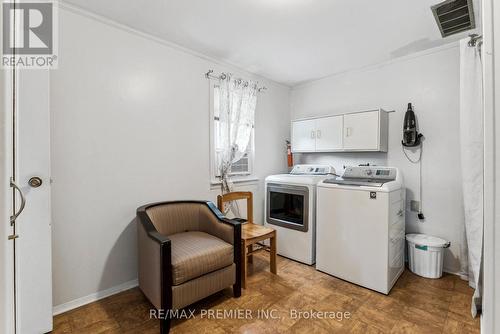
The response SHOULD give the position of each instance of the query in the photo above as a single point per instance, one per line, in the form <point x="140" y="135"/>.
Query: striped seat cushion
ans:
<point x="197" y="253"/>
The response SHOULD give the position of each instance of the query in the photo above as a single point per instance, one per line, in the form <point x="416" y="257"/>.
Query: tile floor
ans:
<point x="415" y="305"/>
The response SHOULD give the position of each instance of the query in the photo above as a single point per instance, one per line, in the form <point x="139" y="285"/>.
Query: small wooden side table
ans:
<point x="251" y="234"/>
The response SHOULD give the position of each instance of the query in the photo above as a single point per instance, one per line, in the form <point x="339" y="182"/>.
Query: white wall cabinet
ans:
<point x="362" y="131"/>
<point x="317" y="135"/>
<point x="365" y="131"/>
<point x="329" y="133"/>
<point x="304" y="135"/>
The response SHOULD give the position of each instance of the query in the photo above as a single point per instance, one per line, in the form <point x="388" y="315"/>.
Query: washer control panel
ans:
<point x="370" y="172"/>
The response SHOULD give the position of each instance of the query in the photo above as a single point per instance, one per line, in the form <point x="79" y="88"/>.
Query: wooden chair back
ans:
<point x="235" y="196"/>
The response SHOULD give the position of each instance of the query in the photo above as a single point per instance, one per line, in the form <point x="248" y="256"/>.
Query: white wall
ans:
<point x="130" y="125"/>
<point x="430" y="81"/>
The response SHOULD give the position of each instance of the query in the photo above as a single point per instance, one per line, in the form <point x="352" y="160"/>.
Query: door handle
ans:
<point x="35" y="181"/>
<point x="318" y="134"/>
<point x="23" y="201"/>
<point x="347" y="132"/>
<point x="312" y="134"/>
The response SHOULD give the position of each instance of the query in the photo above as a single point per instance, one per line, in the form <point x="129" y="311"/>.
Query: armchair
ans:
<point x="187" y="251"/>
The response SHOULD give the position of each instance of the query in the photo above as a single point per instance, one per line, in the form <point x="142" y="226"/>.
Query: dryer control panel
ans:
<point x="312" y="170"/>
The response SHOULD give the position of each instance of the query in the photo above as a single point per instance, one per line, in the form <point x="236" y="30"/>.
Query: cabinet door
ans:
<point x="304" y="136"/>
<point x="329" y="133"/>
<point x="361" y="131"/>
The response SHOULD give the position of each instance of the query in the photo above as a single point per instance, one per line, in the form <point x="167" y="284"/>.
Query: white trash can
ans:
<point x="425" y="254"/>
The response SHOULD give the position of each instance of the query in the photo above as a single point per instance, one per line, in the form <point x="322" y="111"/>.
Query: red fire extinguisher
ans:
<point x="289" y="153"/>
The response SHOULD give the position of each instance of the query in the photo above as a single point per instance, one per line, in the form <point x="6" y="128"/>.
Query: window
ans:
<point x="242" y="169"/>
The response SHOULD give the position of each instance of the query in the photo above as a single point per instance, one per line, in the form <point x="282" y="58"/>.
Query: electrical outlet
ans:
<point x="414" y="205"/>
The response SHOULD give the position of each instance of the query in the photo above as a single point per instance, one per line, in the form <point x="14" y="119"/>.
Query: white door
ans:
<point x="7" y="314"/>
<point x="25" y="236"/>
<point x="329" y="133"/>
<point x="33" y="264"/>
<point x="304" y="136"/>
<point x="361" y="131"/>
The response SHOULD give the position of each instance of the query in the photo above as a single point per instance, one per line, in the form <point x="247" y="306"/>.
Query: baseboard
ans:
<point x="459" y="274"/>
<point x="61" y="308"/>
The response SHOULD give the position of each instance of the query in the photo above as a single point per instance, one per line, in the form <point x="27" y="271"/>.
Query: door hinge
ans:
<point x="12" y="237"/>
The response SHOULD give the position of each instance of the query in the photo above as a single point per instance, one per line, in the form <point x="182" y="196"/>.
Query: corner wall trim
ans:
<point x="61" y="308"/>
<point x="117" y="25"/>
<point x="381" y="64"/>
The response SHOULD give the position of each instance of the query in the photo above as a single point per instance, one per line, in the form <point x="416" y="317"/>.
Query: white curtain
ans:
<point x="472" y="155"/>
<point x="237" y="102"/>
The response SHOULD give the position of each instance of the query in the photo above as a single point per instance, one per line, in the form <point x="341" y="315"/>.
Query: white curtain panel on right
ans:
<point x="472" y="157"/>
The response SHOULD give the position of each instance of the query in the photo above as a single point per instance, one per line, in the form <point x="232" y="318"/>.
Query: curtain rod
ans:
<point x="475" y="39"/>
<point x="210" y="75"/>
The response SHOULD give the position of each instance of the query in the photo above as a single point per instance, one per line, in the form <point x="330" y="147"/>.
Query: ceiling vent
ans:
<point x="454" y="16"/>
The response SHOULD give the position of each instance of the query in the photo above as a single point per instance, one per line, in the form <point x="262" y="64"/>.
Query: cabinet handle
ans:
<point x="312" y="134"/>
<point x="318" y="134"/>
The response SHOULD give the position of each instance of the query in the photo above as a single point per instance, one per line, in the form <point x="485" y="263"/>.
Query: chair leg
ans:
<point x="273" y="255"/>
<point x="237" y="284"/>
<point x="165" y="325"/>
<point x="250" y="257"/>
<point x="237" y="289"/>
<point x="244" y="266"/>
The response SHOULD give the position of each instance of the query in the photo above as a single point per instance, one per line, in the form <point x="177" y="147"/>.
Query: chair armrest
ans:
<point x="228" y="221"/>
<point x="216" y="212"/>
<point x="154" y="257"/>
<point x="146" y="222"/>
<point x="157" y="237"/>
<point x="213" y="222"/>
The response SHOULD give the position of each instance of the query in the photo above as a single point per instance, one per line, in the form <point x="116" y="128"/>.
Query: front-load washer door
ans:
<point x="288" y="206"/>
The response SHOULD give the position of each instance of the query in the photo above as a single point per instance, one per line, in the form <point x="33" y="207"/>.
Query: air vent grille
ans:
<point x="454" y="16"/>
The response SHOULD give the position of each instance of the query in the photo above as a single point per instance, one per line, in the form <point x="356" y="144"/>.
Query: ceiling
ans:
<point x="288" y="41"/>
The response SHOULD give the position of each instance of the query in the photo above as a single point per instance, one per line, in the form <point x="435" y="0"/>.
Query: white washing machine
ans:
<point x="361" y="227"/>
<point x="290" y="206"/>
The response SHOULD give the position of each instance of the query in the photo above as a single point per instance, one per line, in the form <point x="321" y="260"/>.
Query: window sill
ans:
<point x="242" y="181"/>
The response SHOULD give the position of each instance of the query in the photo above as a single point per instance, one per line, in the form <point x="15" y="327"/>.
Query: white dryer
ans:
<point x="361" y="226"/>
<point x="290" y="206"/>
